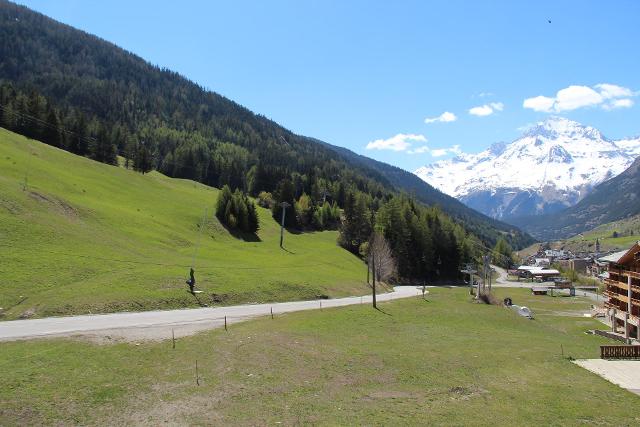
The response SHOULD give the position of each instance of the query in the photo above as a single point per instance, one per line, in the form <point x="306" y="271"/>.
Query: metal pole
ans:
<point x="629" y="293"/>
<point x="284" y="206"/>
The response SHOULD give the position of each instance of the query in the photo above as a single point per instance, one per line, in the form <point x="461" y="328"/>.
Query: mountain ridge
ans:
<point x="612" y="200"/>
<point x="564" y="161"/>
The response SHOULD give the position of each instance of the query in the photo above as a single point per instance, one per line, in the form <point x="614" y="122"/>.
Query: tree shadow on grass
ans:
<point x="242" y="235"/>
<point x="294" y="230"/>
<point x="383" y="312"/>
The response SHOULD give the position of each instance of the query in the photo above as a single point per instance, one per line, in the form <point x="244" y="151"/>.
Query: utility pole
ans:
<point x="284" y="206"/>
<point x="486" y="270"/>
<point x="470" y="271"/>
<point x="325" y="193"/>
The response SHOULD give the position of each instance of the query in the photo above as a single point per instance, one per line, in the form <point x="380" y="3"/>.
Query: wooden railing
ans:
<point x="616" y="283"/>
<point x="625" y="273"/>
<point x="620" y="351"/>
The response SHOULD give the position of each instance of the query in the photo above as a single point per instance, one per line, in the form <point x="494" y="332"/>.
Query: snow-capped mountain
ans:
<point x="552" y="166"/>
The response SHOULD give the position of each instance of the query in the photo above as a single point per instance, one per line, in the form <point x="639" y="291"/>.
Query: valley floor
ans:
<point x="444" y="360"/>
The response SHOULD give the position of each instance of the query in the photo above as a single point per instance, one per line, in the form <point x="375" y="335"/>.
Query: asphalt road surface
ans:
<point x="157" y="325"/>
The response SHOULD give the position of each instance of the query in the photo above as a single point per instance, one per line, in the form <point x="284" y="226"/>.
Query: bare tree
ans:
<point x="381" y="261"/>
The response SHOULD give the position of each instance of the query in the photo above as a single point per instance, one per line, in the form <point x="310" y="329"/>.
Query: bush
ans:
<point x="265" y="200"/>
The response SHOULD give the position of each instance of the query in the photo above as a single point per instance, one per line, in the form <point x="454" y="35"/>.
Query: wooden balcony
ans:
<point x="621" y="285"/>
<point x="625" y="273"/>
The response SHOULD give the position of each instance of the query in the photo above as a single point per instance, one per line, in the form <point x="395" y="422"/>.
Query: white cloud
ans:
<point x="575" y="97"/>
<point x="445" y="117"/>
<point x="539" y="103"/>
<point x="399" y="142"/>
<point x="486" y="109"/>
<point x="613" y="91"/>
<point x="605" y="95"/>
<point x="619" y="103"/>
<point x="498" y="106"/>
<point x="525" y="127"/>
<point x="439" y="152"/>
<point x="420" y="150"/>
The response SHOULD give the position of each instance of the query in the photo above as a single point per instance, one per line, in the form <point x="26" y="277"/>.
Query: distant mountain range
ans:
<point x="612" y="200"/>
<point x="552" y="166"/>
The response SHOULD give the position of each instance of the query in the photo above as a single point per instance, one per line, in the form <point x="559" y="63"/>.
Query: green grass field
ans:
<point x="445" y="361"/>
<point x="88" y="237"/>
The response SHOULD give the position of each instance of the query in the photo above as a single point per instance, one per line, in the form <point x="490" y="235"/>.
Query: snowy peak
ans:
<point x="554" y="164"/>
<point x="557" y="127"/>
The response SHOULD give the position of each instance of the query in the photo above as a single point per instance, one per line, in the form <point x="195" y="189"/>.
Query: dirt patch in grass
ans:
<point x="393" y="394"/>
<point x="176" y="413"/>
<point x="60" y="206"/>
<point x="11" y="206"/>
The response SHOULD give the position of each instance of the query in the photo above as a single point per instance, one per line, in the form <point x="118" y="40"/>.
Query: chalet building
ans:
<point x="623" y="289"/>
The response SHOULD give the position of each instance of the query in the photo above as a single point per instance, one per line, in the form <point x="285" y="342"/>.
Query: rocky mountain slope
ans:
<point x="550" y="167"/>
<point x="613" y="200"/>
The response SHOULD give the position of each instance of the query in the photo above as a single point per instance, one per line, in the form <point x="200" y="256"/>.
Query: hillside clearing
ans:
<point x="85" y="237"/>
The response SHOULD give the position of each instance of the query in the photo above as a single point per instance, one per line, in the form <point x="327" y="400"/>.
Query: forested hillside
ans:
<point x="85" y="95"/>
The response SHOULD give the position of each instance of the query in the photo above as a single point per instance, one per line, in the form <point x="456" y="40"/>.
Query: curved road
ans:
<point x="155" y="325"/>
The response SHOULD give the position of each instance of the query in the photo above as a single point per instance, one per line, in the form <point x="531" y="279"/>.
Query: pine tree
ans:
<point x="51" y="133"/>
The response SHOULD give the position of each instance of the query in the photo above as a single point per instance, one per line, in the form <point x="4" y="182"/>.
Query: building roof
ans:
<point x="545" y="271"/>
<point x="631" y="254"/>
<point x="618" y="256"/>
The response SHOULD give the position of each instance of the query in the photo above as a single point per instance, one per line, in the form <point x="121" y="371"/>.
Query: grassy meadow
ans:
<point x="85" y="237"/>
<point x="445" y="361"/>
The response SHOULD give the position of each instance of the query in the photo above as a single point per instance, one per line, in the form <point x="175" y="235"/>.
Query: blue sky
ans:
<point x="364" y="73"/>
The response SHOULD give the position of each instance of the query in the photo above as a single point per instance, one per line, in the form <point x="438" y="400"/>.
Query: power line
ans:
<point x="160" y="264"/>
<point x="47" y="124"/>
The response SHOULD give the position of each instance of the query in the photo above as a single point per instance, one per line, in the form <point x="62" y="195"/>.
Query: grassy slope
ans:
<point x="446" y="361"/>
<point x="60" y="239"/>
<point x="628" y="230"/>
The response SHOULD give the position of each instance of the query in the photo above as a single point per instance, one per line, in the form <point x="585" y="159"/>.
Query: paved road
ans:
<point x="625" y="373"/>
<point x="160" y="324"/>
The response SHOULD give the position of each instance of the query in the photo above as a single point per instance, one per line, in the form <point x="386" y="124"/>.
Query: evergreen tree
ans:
<point x="236" y="210"/>
<point x="142" y="160"/>
<point x="503" y="254"/>
<point x="101" y="148"/>
<point x="51" y="132"/>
